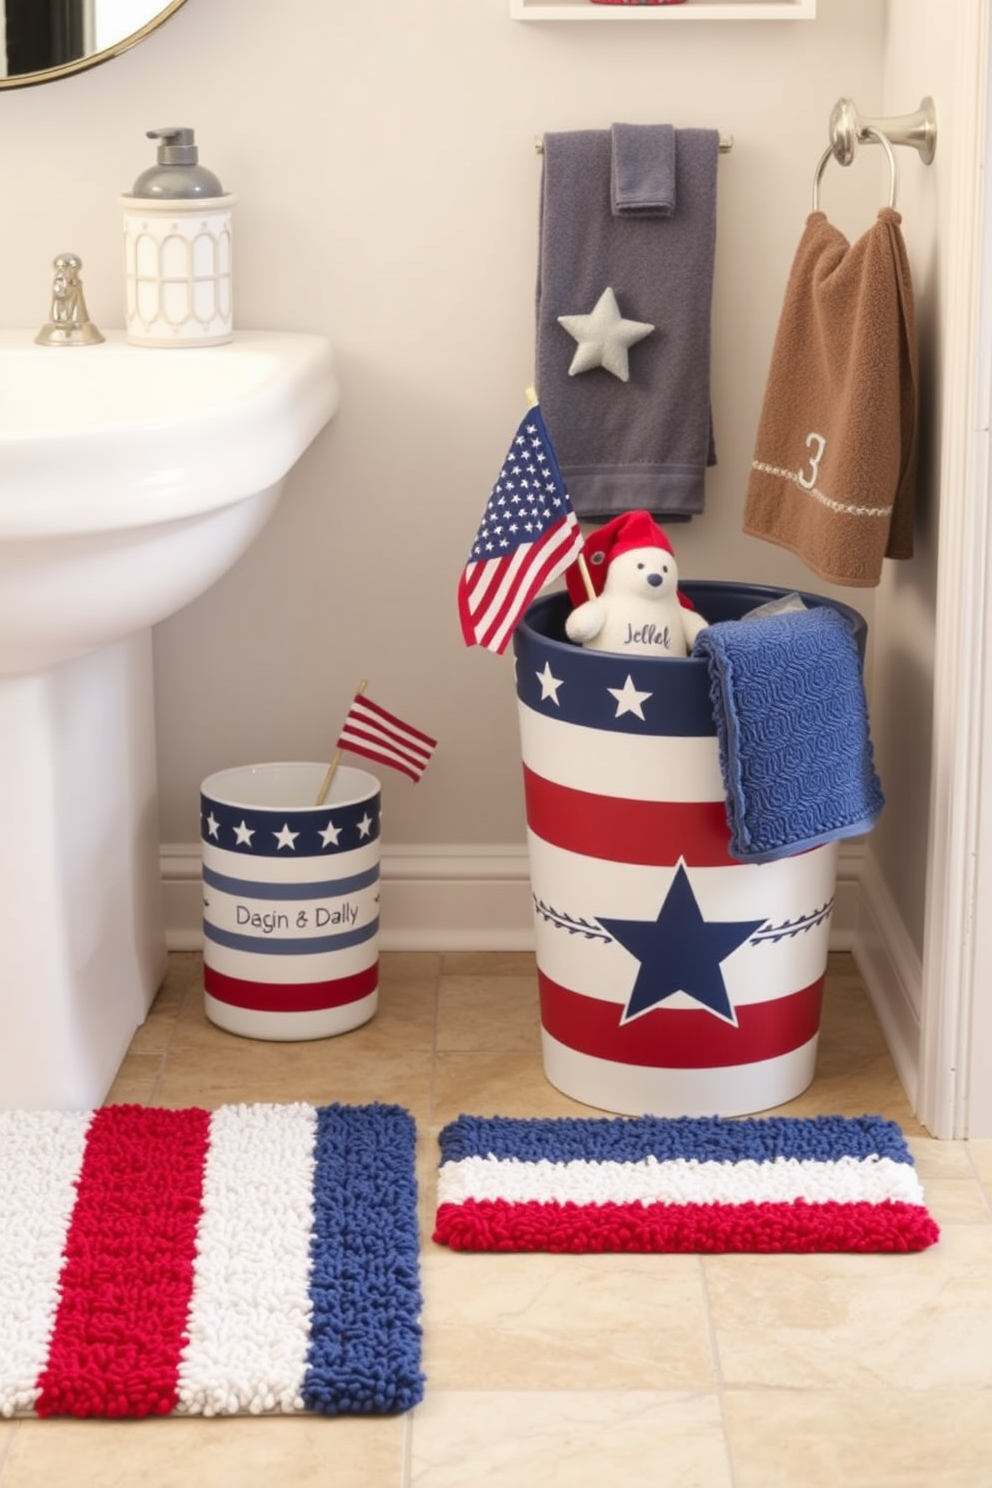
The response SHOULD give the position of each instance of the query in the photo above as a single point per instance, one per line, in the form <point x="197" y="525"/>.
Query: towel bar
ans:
<point x="848" y="129"/>
<point x="726" y="144"/>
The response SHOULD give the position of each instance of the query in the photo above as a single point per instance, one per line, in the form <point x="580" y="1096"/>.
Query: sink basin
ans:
<point x="177" y="456"/>
<point x="131" y="479"/>
<point x="172" y="433"/>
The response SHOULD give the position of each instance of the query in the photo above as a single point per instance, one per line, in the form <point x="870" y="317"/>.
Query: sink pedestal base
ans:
<point x="81" y="919"/>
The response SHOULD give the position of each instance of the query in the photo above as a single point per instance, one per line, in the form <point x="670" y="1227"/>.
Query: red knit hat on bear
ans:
<point x="634" y="529"/>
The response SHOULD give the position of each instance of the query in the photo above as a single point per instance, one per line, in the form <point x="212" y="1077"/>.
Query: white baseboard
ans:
<point x="450" y="898"/>
<point x="892" y="971"/>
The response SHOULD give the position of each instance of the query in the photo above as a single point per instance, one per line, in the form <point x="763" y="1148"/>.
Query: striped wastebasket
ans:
<point x="290" y="900"/>
<point x="673" y="979"/>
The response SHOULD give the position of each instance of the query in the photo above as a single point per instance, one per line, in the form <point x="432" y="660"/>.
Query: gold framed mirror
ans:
<point x="41" y="40"/>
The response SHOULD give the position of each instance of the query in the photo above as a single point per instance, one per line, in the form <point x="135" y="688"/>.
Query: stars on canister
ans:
<point x="288" y="834"/>
<point x="628" y="698"/>
<point x="549" y="683"/>
<point x="284" y="837"/>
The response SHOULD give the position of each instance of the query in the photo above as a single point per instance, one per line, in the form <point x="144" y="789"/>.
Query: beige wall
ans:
<point x="383" y="158"/>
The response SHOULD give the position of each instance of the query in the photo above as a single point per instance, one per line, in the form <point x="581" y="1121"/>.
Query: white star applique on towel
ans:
<point x="604" y="336"/>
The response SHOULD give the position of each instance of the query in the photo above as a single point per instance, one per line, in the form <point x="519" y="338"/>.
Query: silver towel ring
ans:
<point x="867" y="132"/>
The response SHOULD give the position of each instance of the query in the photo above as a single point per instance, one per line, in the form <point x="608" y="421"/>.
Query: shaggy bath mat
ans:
<point x="778" y="1183"/>
<point x="255" y="1259"/>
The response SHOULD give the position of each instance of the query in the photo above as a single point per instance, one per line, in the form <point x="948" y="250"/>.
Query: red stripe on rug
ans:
<point x="290" y="997"/>
<point x="127" y="1276"/>
<point x="680" y="1038"/>
<point x="649" y="833"/>
<point x="798" y="1227"/>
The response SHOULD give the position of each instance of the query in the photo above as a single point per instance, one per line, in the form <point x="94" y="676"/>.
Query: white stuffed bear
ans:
<point x="638" y="610"/>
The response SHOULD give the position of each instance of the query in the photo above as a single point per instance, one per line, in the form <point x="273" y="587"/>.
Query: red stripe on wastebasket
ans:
<point x="303" y="997"/>
<point x="652" y="833"/>
<point x="680" y="1038"/>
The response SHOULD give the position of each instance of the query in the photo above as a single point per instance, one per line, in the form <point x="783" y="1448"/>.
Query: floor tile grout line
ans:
<point x="195" y="984"/>
<point x="7" y="1452"/>
<point x="986" y="1192"/>
<point x="170" y="1043"/>
<point x="432" y="1092"/>
<point x="719" y="1382"/>
<point x="157" y="1081"/>
<point x="406" y="1449"/>
<point x="163" y="1053"/>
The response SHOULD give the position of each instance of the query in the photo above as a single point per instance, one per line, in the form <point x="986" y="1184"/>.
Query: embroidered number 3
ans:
<point x="817" y="444"/>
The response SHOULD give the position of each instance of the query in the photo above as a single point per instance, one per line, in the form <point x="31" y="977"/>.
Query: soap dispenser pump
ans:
<point x="177" y="249"/>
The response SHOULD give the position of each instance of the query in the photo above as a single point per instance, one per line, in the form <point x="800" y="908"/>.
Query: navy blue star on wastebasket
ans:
<point x="680" y="952"/>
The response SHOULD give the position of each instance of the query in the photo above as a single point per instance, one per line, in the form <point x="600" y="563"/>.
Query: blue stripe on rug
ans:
<point x="707" y="1139"/>
<point x="365" y="1345"/>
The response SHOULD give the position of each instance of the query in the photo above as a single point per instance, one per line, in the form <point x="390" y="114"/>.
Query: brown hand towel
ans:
<point x="834" y="464"/>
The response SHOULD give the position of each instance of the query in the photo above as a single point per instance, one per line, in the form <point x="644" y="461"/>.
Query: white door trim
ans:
<point x="957" y="949"/>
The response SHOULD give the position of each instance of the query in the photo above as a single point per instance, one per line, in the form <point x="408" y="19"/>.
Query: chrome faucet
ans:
<point x="70" y="324"/>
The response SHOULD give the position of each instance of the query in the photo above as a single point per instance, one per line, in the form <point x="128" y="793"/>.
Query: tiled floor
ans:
<point x="644" y="1371"/>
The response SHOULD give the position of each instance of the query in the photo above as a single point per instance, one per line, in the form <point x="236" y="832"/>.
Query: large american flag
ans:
<point x="528" y="536"/>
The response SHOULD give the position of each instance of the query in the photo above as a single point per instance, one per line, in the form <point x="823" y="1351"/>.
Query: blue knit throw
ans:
<point x="792" y="724"/>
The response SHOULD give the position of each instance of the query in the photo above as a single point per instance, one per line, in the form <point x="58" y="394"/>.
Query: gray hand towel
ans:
<point x="644" y="443"/>
<point x="642" y="170"/>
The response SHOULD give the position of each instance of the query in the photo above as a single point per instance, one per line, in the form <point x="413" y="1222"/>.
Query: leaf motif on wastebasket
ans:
<point x="585" y="928"/>
<point x="789" y="928"/>
<point x="774" y="933"/>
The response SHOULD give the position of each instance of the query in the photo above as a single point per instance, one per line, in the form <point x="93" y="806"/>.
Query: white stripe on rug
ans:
<point x="679" y="1181"/>
<point x="249" y="1327"/>
<point x="41" y="1153"/>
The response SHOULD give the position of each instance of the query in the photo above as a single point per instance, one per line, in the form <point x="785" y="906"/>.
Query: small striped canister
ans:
<point x="674" y="980"/>
<point x="290" y="900"/>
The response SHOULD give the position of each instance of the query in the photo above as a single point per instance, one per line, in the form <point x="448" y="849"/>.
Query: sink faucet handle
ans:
<point x="70" y="324"/>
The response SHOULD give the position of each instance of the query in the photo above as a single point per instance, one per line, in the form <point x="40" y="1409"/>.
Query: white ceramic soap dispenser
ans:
<point x="177" y="250"/>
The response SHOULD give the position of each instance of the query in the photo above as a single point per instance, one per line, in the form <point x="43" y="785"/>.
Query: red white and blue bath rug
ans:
<point x="691" y="1184"/>
<point x="257" y="1259"/>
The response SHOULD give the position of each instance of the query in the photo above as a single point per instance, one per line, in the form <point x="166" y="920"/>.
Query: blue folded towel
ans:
<point x="792" y="725"/>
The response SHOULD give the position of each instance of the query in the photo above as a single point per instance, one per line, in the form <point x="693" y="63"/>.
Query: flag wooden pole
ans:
<point x="587" y="581"/>
<point x="322" y="793"/>
<point x="532" y="401"/>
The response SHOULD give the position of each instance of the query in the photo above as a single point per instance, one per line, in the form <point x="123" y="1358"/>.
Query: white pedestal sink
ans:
<point x="130" y="480"/>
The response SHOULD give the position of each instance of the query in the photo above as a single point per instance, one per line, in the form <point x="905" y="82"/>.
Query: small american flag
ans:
<point x="528" y="536"/>
<point x="378" y="735"/>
